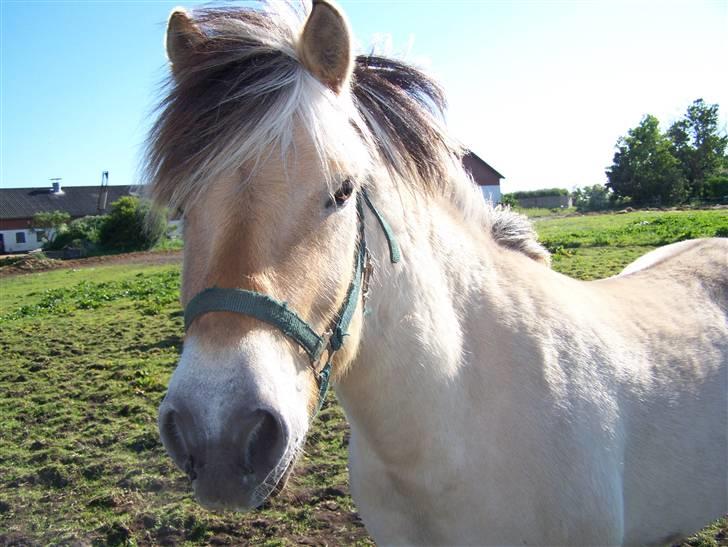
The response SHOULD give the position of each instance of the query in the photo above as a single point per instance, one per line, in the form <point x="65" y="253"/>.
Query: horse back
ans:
<point x="701" y="258"/>
<point x="671" y="311"/>
<point x="684" y="285"/>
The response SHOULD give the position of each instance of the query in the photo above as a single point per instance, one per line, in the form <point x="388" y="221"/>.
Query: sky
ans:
<point x="541" y="90"/>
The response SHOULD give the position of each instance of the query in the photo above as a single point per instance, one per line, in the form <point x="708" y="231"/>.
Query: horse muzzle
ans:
<point x="233" y="461"/>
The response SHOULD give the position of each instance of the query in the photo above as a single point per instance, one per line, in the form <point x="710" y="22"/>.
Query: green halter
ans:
<point x="278" y="314"/>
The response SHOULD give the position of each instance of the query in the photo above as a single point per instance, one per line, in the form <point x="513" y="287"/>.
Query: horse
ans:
<point x="331" y="235"/>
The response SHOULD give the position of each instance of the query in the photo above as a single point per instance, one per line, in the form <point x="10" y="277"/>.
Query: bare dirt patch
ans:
<point x="13" y="265"/>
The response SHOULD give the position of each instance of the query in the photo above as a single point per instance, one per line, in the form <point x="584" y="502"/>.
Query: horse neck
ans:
<point x="419" y="311"/>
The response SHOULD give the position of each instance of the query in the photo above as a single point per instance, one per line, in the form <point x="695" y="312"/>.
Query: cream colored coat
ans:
<point x="492" y="401"/>
<point x="496" y="402"/>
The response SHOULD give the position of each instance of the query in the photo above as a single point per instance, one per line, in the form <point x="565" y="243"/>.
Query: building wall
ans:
<point x="491" y="193"/>
<point x="14" y="223"/>
<point x="11" y="245"/>
<point x="481" y="173"/>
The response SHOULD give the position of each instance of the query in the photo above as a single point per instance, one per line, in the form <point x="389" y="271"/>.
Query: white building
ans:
<point x="19" y="205"/>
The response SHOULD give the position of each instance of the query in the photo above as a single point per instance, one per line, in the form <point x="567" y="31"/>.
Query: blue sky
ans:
<point x="539" y="89"/>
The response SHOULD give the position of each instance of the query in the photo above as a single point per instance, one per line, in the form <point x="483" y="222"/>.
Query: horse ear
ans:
<point x="183" y="36"/>
<point x="325" y="45"/>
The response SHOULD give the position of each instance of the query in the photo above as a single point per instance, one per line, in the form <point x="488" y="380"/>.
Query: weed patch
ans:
<point x="147" y="292"/>
<point x="643" y="229"/>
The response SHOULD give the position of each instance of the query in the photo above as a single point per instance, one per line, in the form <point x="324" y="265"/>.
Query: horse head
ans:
<point x="259" y="144"/>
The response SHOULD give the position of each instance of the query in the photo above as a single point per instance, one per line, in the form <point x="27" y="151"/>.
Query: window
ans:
<point x="19" y="237"/>
<point x="39" y="236"/>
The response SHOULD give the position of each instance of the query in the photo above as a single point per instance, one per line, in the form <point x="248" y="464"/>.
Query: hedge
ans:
<point x="544" y="192"/>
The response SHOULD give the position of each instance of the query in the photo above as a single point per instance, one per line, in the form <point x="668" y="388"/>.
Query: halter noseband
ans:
<point x="278" y="314"/>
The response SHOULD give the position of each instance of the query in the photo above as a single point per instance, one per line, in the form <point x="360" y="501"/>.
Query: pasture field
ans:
<point x="86" y="355"/>
<point x="597" y="246"/>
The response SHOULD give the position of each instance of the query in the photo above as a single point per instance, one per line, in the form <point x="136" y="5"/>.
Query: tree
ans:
<point x="644" y="168"/>
<point x="51" y="222"/>
<point x="132" y="225"/>
<point x="697" y="144"/>
<point x="716" y="187"/>
<point x="509" y="200"/>
<point x="591" y="198"/>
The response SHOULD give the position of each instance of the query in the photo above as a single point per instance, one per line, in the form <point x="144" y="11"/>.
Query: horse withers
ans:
<point x="491" y="400"/>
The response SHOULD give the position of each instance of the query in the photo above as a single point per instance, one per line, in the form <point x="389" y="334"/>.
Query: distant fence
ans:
<point x="547" y="202"/>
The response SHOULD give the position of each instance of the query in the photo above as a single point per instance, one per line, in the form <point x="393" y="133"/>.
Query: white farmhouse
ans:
<point x="18" y="205"/>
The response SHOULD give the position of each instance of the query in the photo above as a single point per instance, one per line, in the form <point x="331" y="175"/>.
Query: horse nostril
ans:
<point x="246" y="449"/>
<point x="190" y="469"/>
<point x="172" y="438"/>
<point x="264" y="444"/>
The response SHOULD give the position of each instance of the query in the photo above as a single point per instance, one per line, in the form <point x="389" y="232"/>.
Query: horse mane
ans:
<point x="515" y="231"/>
<point x="403" y="108"/>
<point x="240" y="91"/>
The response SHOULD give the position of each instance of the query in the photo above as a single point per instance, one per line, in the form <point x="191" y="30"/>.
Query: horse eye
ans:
<point x="342" y="194"/>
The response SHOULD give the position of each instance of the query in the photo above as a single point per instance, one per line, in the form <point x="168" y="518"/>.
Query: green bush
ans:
<point x="716" y="188"/>
<point x="592" y="198"/>
<point x="82" y="232"/>
<point x="508" y="199"/>
<point x="132" y="225"/>
<point x="53" y="223"/>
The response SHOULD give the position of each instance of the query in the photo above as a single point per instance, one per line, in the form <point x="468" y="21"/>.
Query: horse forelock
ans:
<point x="236" y="99"/>
<point x="242" y="92"/>
<point x="243" y="88"/>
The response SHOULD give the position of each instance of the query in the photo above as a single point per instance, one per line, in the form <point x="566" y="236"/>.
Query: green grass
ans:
<point x="542" y="212"/>
<point x="589" y="263"/>
<point x="86" y="357"/>
<point x="86" y="360"/>
<point x="597" y="246"/>
<point x="648" y="228"/>
<point x="27" y="291"/>
<point x="169" y="244"/>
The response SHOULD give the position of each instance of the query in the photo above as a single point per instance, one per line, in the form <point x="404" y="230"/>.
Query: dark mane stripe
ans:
<point x="403" y="107"/>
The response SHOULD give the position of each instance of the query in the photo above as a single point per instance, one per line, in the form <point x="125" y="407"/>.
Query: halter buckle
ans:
<point x="366" y="277"/>
<point x="327" y="354"/>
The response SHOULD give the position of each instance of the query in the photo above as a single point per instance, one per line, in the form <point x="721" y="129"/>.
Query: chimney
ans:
<point x="56" y="183"/>
<point x="103" y="192"/>
<point x="103" y="198"/>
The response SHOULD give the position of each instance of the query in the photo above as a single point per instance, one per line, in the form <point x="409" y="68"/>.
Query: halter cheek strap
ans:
<point x="278" y="314"/>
